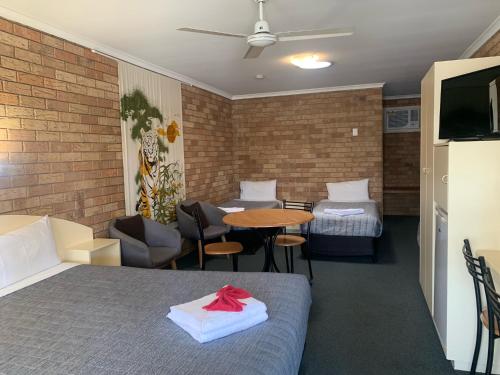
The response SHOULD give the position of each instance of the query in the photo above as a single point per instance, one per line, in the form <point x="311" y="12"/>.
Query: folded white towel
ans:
<point x="344" y="211"/>
<point x="205" y="326"/>
<point x="203" y="337"/>
<point x="232" y="209"/>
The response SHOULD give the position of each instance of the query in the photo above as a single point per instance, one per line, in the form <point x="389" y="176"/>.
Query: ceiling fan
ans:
<point x="262" y="36"/>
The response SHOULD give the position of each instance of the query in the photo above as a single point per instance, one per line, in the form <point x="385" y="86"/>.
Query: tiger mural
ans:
<point x="148" y="170"/>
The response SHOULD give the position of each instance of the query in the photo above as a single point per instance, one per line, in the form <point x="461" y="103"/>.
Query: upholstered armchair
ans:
<point x="215" y="226"/>
<point x="187" y="224"/>
<point x="160" y="248"/>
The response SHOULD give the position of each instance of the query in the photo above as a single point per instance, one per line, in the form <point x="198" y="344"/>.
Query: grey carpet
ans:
<point x="365" y="318"/>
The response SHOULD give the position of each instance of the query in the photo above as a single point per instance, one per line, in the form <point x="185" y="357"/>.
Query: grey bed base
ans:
<point x="326" y="246"/>
<point x="112" y="320"/>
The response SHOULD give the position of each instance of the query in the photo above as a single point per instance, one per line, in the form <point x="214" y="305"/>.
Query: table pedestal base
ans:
<point x="269" y="237"/>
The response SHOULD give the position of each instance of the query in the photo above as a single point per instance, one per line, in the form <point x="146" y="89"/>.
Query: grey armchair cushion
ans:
<point x="132" y="226"/>
<point x="214" y="231"/>
<point x="190" y="210"/>
<point x="161" y="246"/>
<point x="214" y="215"/>
<point x="161" y="256"/>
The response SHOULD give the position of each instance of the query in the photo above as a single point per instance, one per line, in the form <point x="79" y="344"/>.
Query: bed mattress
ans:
<point x="112" y="320"/>
<point x="364" y="225"/>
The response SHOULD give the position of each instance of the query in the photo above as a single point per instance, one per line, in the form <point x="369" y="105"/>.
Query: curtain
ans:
<point x="152" y="140"/>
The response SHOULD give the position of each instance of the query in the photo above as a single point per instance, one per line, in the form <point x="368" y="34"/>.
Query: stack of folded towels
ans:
<point x="344" y="211"/>
<point x="220" y="314"/>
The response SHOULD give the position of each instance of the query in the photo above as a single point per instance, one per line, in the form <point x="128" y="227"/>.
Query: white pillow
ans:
<point x="27" y="251"/>
<point x="348" y="191"/>
<point x="258" y="190"/>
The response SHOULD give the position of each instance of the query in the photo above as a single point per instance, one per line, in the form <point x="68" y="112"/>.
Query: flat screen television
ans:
<point x="470" y="105"/>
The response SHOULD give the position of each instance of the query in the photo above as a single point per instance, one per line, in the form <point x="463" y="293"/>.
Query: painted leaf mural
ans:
<point x="159" y="183"/>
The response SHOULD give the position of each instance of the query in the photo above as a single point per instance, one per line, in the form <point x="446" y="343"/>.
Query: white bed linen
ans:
<point x="36" y="278"/>
<point x="27" y="251"/>
<point x="348" y="191"/>
<point x="230" y="210"/>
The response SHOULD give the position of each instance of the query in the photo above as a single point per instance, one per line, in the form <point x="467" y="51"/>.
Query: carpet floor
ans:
<point x="365" y="318"/>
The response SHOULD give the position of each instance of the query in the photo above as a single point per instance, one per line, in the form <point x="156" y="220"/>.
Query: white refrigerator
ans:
<point x="441" y="274"/>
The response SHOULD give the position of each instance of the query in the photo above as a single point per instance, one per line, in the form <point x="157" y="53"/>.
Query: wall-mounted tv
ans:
<point x="470" y="106"/>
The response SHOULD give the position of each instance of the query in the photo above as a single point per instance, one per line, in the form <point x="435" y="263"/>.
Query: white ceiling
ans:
<point x="395" y="41"/>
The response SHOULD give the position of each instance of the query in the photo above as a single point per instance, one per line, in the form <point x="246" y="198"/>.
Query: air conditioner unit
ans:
<point x="401" y="119"/>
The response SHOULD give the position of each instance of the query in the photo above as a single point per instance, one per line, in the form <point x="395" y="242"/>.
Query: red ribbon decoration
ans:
<point x="227" y="299"/>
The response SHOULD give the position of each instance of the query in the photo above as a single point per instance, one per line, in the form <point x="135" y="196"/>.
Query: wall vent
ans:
<point x="401" y="119"/>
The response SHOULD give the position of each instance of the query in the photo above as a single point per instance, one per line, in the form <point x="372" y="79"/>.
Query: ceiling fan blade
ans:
<point x="253" y="52"/>
<point x="314" y="34"/>
<point x="211" y="32"/>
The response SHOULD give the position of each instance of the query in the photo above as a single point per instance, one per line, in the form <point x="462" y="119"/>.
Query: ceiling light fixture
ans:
<point x="310" y="62"/>
<point x="260" y="76"/>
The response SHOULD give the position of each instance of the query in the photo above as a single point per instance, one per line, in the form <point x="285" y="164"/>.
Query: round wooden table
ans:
<point x="268" y="223"/>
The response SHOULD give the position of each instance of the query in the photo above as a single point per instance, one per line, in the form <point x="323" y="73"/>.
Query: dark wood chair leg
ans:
<point x="291" y="259"/>
<point x="286" y="259"/>
<point x="491" y="349"/>
<point x="235" y="262"/>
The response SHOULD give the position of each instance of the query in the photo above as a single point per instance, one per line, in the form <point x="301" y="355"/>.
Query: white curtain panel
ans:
<point x="153" y="142"/>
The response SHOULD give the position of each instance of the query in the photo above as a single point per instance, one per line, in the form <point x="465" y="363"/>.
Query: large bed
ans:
<point x="112" y="320"/>
<point x="355" y="235"/>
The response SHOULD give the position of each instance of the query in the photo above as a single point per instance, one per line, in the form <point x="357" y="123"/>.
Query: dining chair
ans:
<point x="289" y="241"/>
<point x="491" y="315"/>
<point x="476" y="268"/>
<point x="217" y="248"/>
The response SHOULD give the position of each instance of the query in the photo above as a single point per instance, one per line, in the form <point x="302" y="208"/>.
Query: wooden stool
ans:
<point x="223" y="248"/>
<point x="288" y="241"/>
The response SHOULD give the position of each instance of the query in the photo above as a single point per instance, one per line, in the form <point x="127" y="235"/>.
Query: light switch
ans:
<point x="355" y="132"/>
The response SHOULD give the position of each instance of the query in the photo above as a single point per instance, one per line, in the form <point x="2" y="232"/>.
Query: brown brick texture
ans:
<point x="60" y="142"/>
<point x="208" y="145"/>
<point x="401" y="167"/>
<point x="490" y="48"/>
<point x="305" y="141"/>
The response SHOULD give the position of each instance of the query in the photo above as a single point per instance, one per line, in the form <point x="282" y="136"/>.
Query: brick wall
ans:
<point x="305" y="141"/>
<point x="490" y="48"/>
<point x="208" y="145"/>
<point x="60" y="143"/>
<point x="401" y="168"/>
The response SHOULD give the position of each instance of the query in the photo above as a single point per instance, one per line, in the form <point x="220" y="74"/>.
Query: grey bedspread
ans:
<point x="248" y="205"/>
<point x="107" y="320"/>
<point x="364" y="225"/>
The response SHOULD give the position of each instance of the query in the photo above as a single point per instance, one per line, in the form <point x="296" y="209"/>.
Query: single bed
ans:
<point x="354" y="235"/>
